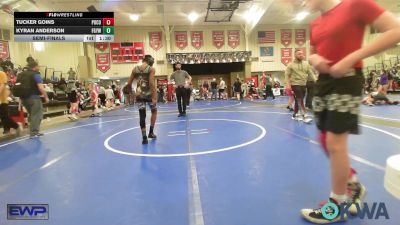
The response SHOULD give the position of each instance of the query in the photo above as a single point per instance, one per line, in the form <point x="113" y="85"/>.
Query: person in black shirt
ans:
<point x="160" y="93"/>
<point x="205" y="90"/>
<point x="214" y="86"/>
<point x="237" y="86"/>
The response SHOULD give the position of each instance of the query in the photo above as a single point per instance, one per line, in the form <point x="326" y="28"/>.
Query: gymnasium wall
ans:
<point x="274" y="63"/>
<point x="387" y="55"/>
<point x="62" y="56"/>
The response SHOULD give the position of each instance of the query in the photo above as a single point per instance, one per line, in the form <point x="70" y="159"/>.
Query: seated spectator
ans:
<point x="49" y="90"/>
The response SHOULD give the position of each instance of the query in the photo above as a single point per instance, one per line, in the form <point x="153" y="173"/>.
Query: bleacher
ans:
<point x="58" y="104"/>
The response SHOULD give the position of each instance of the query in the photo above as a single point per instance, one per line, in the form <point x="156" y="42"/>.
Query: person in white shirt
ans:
<point x="222" y="87"/>
<point x="102" y="96"/>
<point x="109" y="97"/>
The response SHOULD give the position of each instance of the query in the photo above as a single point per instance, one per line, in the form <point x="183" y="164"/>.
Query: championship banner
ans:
<point x="101" y="46"/>
<point x="155" y="40"/>
<point x="300" y="38"/>
<point x="233" y="38"/>
<point x="181" y="39"/>
<point x="103" y="62"/>
<point x="197" y="39"/>
<point x="218" y="39"/>
<point x="286" y="37"/>
<point x="4" y="50"/>
<point x="286" y="55"/>
<point x="304" y="50"/>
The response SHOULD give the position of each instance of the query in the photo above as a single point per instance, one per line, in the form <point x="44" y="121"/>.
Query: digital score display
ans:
<point x="64" y="26"/>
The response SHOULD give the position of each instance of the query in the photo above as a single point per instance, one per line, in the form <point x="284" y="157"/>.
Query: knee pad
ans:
<point x="322" y="141"/>
<point x="142" y="116"/>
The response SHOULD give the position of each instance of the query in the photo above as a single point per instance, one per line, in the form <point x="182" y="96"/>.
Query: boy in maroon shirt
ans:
<point x="337" y="56"/>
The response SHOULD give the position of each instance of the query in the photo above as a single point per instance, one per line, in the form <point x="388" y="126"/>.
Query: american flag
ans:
<point x="265" y="37"/>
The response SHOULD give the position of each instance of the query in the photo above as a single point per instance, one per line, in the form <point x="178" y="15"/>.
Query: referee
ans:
<point x="179" y="77"/>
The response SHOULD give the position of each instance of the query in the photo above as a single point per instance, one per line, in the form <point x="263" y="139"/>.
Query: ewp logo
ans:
<point x="27" y="211"/>
<point x="330" y="211"/>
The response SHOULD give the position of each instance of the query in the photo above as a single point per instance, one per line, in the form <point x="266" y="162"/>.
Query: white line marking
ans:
<point x="199" y="130"/>
<point x="263" y="112"/>
<point x="6" y="186"/>
<point x="200" y="133"/>
<point x="196" y="213"/>
<point x="200" y="109"/>
<point x="366" y="162"/>
<point x="178" y="131"/>
<point x="51" y="162"/>
<point x="379" y="117"/>
<point x="382" y="131"/>
<point x="354" y="157"/>
<point x="263" y="132"/>
<point x="195" y="207"/>
<point x="173" y="135"/>
<point x="65" y="129"/>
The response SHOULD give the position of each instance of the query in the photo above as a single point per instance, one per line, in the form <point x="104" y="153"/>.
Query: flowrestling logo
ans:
<point x="27" y="211"/>
<point x="364" y="211"/>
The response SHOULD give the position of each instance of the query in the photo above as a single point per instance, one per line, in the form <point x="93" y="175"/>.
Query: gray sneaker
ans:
<point x="299" y="117"/>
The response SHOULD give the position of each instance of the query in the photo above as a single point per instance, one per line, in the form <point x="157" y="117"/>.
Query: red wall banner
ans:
<point x="4" y="50"/>
<point x="300" y="36"/>
<point x="181" y="39"/>
<point x="197" y="39"/>
<point x="218" y="38"/>
<point x="233" y="38"/>
<point x="286" y="37"/>
<point x="286" y="55"/>
<point x="103" y="62"/>
<point x="155" y="40"/>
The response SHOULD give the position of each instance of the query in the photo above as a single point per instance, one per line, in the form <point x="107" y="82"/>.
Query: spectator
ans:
<point x="4" y="115"/>
<point x="73" y="99"/>
<point x="222" y="87"/>
<point x="369" y="81"/>
<point x="310" y="90"/>
<point x="391" y="74"/>
<point x="205" y="88"/>
<point x="244" y="89"/>
<point x="117" y="94"/>
<point x="102" y="96"/>
<point x="31" y="78"/>
<point x="237" y="88"/>
<point x="71" y="74"/>
<point x="109" y="93"/>
<point x="214" y="85"/>
<point x="384" y="82"/>
<point x="127" y="94"/>
<point x="94" y="100"/>
<point x="269" y="83"/>
<point x="49" y="90"/>
<point x="160" y="93"/>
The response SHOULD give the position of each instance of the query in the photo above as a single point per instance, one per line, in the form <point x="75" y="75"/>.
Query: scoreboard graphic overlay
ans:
<point x="64" y="26"/>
